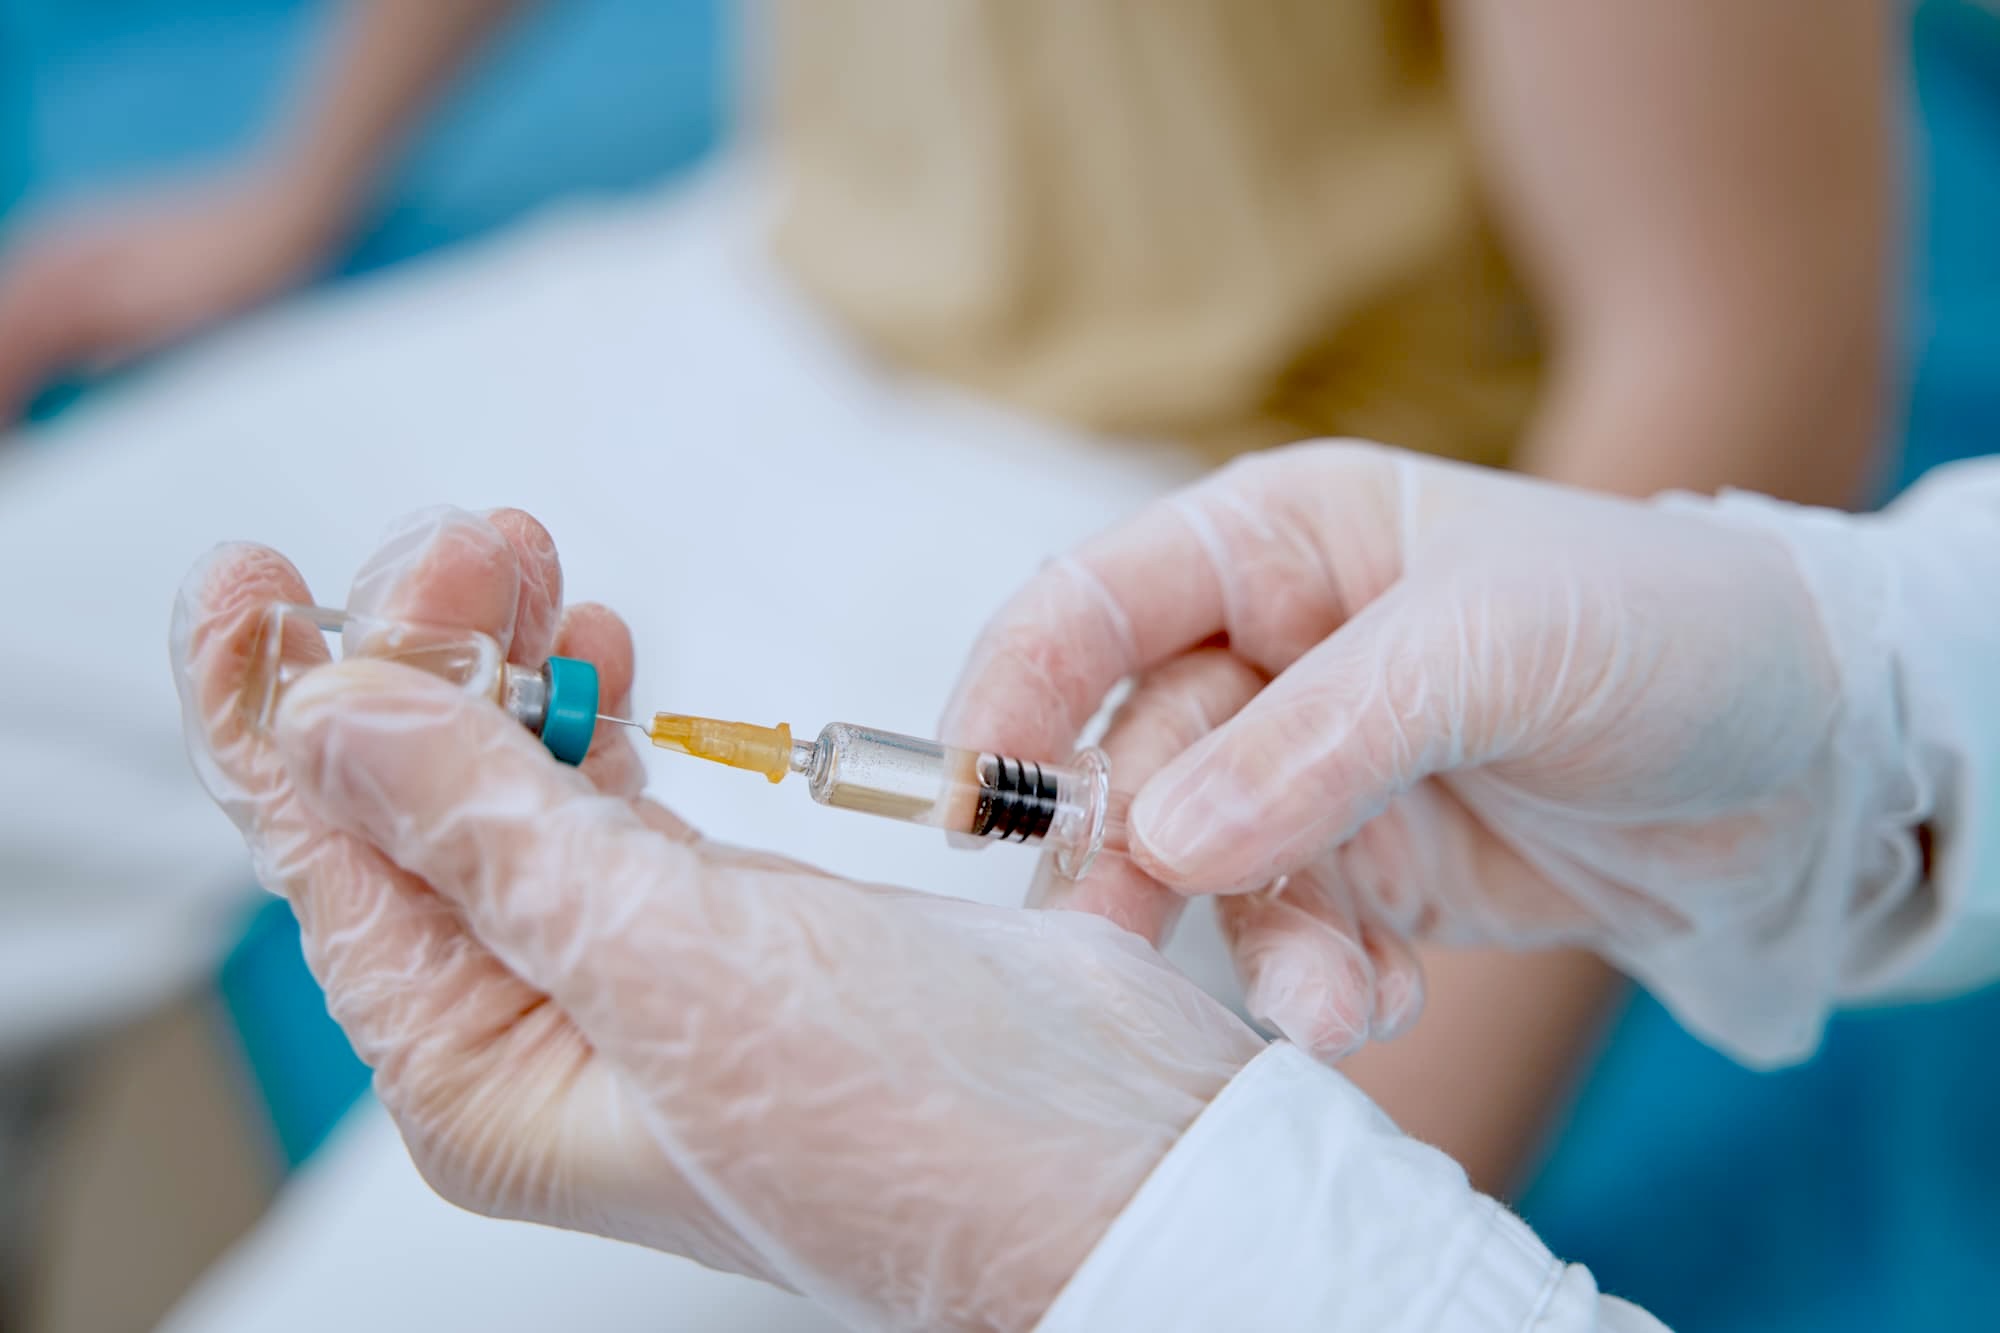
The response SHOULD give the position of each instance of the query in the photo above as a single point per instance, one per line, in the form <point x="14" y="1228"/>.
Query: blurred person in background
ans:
<point x="1629" y="250"/>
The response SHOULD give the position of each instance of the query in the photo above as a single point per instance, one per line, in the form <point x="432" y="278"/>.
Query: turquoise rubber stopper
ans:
<point x="571" y="716"/>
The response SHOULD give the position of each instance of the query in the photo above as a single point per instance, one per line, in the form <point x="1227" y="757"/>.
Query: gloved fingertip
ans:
<point x="334" y="697"/>
<point x="538" y="615"/>
<point x="1317" y="991"/>
<point x="1311" y="1015"/>
<point x="312" y="696"/>
<point x="415" y="528"/>
<point x="408" y="534"/>
<point x="216" y="611"/>
<point x="204" y="570"/>
<point x="1182" y="833"/>
<point x="205" y="579"/>
<point x="534" y="532"/>
<point x="217" y="575"/>
<point x="360" y="741"/>
<point x="951" y="722"/>
<point x="311" y="704"/>
<point x="1156" y="845"/>
<point x="975" y="716"/>
<point x="411" y="540"/>
<point x="1399" y="1001"/>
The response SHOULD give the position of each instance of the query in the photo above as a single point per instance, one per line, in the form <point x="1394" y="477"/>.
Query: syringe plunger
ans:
<point x="966" y="792"/>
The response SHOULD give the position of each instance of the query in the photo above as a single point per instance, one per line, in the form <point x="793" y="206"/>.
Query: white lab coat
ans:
<point x="1294" y="1204"/>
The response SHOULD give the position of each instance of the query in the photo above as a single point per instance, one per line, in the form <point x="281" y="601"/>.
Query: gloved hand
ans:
<point x="1501" y="713"/>
<point x="921" y="1112"/>
<point x="103" y="283"/>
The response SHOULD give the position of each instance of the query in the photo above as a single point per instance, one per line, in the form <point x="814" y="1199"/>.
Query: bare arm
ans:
<point x="387" y="62"/>
<point x="1700" y="193"/>
<point x="108" y="282"/>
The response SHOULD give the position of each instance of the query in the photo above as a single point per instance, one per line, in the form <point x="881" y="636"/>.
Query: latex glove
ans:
<point x="1501" y="713"/>
<point x="921" y="1112"/>
<point x="103" y="282"/>
<point x="1293" y="943"/>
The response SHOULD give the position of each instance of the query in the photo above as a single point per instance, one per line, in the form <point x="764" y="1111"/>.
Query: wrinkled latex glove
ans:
<point x="921" y="1112"/>
<point x="1499" y="712"/>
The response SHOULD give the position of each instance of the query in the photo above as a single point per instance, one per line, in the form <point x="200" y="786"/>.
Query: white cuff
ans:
<point x="1292" y="1203"/>
<point x="1907" y="598"/>
<point x="1942" y="542"/>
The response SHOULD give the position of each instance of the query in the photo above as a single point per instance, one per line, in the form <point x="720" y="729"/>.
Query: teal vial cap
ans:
<point x="570" y="718"/>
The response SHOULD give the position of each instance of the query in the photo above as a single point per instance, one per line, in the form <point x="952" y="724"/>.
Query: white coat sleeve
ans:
<point x="1910" y="602"/>
<point x="1292" y="1203"/>
<point x="1942" y="543"/>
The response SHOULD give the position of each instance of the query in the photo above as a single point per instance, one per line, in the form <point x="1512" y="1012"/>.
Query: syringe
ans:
<point x="967" y="793"/>
<point x="1067" y="807"/>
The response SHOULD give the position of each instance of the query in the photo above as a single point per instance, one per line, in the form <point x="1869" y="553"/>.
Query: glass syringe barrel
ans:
<point x="968" y="792"/>
<point x="965" y="792"/>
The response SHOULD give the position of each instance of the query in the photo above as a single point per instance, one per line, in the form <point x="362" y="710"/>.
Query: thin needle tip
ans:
<point x="621" y="721"/>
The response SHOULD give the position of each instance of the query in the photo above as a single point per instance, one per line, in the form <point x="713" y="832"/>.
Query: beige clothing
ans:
<point x="1234" y="221"/>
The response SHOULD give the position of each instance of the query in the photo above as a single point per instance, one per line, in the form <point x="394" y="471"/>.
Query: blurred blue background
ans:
<point x="586" y="96"/>
<point x="1860" y="1192"/>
